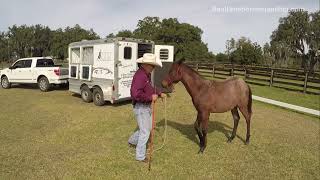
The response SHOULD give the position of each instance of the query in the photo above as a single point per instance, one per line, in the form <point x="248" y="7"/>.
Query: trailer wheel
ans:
<point x="86" y="94"/>
<point x="5" y="82"/>
<point x="44" y="84"/>
<point x="98" y="99"/>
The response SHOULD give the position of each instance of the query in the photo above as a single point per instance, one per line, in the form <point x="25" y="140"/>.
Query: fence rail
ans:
<point x="297" y="78"/>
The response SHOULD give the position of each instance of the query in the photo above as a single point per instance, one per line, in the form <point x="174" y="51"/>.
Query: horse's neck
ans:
<point x="192" y="81"/>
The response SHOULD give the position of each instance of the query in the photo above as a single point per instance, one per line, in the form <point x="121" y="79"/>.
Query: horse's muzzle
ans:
<point x="165" y="84"/>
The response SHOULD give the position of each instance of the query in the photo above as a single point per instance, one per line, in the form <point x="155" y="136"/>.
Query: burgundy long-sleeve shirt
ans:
<point x="141" y="88"/>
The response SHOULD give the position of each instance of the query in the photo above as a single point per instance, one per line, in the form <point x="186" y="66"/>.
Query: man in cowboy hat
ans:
<point x="142" y="94"/>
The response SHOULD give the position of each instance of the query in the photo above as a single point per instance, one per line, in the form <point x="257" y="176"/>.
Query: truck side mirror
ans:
<point x="12" y="67"/>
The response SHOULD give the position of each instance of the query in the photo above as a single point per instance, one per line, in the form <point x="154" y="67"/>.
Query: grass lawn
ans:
<point x="55" y="135"/>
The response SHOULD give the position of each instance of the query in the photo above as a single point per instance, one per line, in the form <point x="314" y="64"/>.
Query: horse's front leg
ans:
<point x="204" y="127"/>
<point x="198" y="129"/>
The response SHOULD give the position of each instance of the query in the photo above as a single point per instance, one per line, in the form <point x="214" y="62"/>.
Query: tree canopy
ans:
<point x="298" y="35"/>
<point x="242" y="51"/>
<point x="25" y="41"/>
<point x="185" y="37"/>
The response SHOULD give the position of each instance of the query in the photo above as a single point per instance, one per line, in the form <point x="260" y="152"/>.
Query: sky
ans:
<point x="219" y="19"/>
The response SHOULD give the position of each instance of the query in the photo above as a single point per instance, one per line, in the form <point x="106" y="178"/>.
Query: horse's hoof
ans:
<point x="201" y="150"/>
<point x="246" y="143"/>
<point x="230" y="139"/>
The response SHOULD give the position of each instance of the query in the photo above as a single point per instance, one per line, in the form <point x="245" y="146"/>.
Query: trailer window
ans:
<point x="75" y="55"/>
<point x="87" y="57"/>
<point x="144" y="48"/>
<point x="164" y="54"/>
<point x="85" y="72"/>
<point x="127" y="53"/>
<point x="73" y="72"/>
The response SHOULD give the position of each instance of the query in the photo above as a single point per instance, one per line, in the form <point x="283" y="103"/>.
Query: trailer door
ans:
<point x="164" y="53"/>
<point x="74" y="61"/>
<point x="126" y="67"/>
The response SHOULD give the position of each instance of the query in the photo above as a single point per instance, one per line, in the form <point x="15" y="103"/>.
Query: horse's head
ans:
<point x="174" y="75"/>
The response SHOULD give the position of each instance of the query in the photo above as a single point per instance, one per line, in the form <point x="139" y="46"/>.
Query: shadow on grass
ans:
<point x="189" y="131"/>
<point x="35" y="87"/>
<point x="257" y="83"/>
<point x="296" y="90"/>
<point x="116" y="104"/>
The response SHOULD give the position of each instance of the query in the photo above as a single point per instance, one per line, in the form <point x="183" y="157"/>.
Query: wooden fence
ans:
<point x="296" y="78"/>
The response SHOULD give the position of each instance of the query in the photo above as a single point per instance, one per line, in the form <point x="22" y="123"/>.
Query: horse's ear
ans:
<point x="180" y="61"/>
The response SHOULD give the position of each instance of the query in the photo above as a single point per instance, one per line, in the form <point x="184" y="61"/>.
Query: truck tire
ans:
<point x="5" y="82"/>
<point x="98" y="99"/>
<point x="86" y="94"/>
<point x="44" y="84"/>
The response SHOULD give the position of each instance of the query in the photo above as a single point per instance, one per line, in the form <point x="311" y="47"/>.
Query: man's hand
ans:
<point x="154" y="97"/>
<point x="163" y="95"/>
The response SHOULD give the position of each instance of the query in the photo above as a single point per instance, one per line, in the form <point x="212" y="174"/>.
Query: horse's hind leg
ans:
<point x="236" y="118"/>
<point x="247" y="116"/>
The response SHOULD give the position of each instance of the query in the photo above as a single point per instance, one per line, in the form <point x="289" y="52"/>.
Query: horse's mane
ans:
<point x="190" y="69"/>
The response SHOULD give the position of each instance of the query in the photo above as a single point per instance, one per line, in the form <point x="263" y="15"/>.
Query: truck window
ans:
<point x="23" y="64"/>
<point x="45" y="63"/>
<point x="18" y="64"/>
<point x="127" y="53"/>
<point x="27" y="63"/>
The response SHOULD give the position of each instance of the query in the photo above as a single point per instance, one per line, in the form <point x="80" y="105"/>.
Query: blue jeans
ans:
<point x="141" y="136"/>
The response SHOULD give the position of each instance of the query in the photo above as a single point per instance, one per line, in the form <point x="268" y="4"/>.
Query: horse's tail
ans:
<point x="250" y="100"/>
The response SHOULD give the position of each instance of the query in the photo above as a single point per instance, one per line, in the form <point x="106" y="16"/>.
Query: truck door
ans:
<point x="21" y="72"/>
<point x="126" y="67"/>
<point x="26" y="72"/>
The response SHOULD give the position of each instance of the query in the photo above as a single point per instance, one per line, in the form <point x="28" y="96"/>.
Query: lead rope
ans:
<point x="164" y="136"/>
<point x="152" y="133"/>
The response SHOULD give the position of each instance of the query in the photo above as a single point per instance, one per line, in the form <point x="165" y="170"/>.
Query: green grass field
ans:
<point x="55" y="135"/>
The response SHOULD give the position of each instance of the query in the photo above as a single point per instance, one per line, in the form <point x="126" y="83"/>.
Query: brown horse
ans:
<point x="209" y="96"/>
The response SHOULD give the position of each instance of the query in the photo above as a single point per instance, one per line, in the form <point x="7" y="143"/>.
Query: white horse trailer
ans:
<point x="102" y="70"/>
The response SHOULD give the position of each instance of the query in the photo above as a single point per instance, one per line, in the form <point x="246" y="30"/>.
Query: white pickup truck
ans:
<point x="40" y="70"/>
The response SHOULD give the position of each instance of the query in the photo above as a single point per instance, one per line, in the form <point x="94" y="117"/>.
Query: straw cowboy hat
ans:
<point x="149" y="58"/>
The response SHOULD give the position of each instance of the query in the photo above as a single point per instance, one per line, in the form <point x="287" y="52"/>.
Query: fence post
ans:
<point x="213" y="70"/>
<point x="245" y="72"/>
<point x="232" y="71"/>
<point x="271" y="77"/>
<point x="305" y="83"/>
<point x="197" y="67"/>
